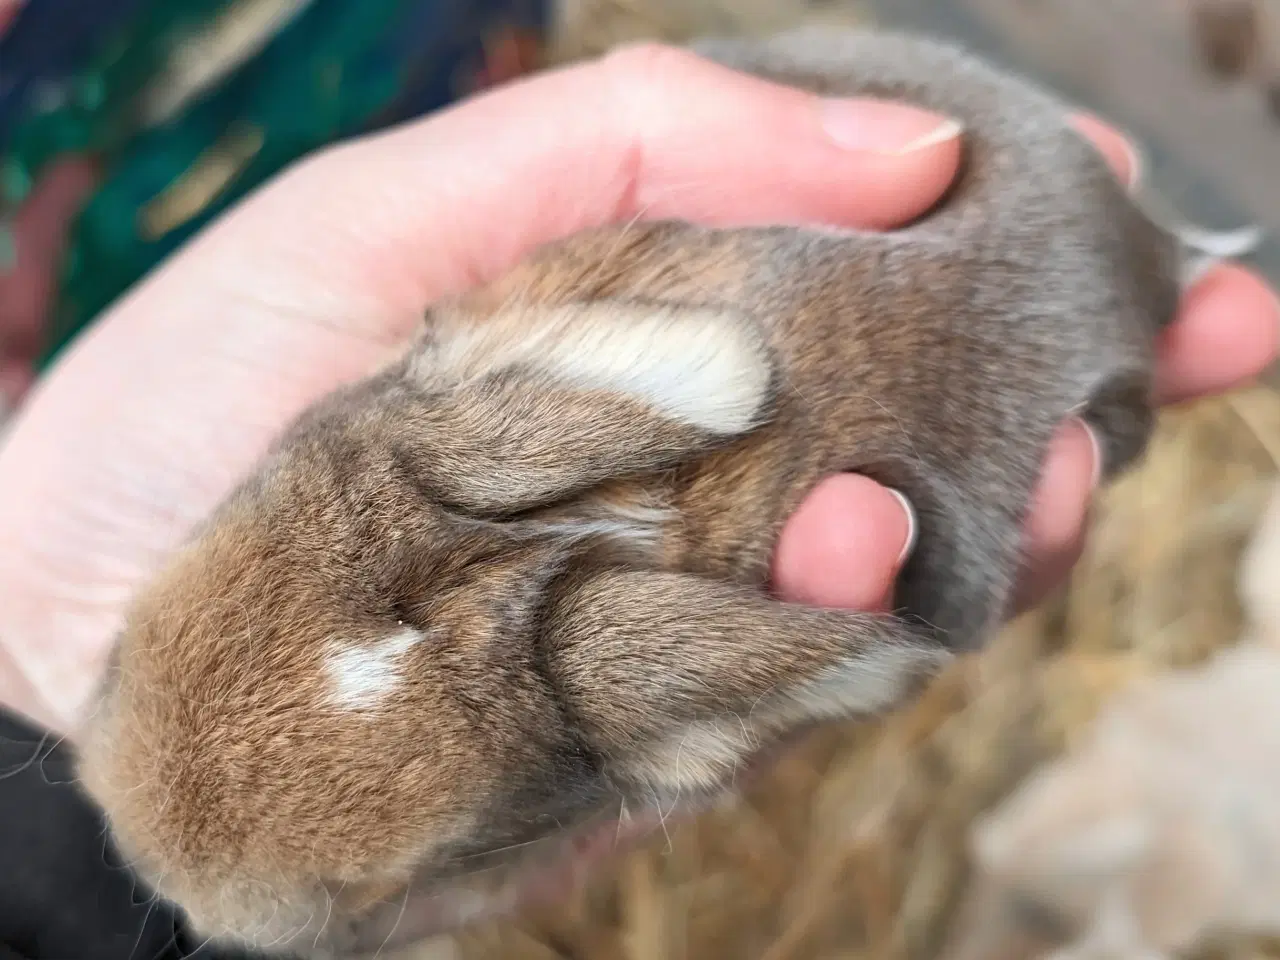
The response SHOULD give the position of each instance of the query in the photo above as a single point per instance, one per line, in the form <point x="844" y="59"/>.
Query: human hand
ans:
<point x="155" y="413"/>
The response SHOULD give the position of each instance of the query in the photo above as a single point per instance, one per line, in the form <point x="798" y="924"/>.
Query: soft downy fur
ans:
<point x="507" y="600"/>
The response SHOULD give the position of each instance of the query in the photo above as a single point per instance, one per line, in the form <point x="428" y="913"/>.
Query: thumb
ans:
<point x="651" y="131"/>
<point x="845" y="545"/>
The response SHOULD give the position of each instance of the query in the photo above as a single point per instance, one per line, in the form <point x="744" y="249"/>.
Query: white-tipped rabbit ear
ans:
<point x="533" y="403"/>
<point x="1259" y="575"/>
<point x="679" y="680"/>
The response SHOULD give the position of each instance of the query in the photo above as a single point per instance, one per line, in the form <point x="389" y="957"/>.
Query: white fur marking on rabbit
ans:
<point x="699" y="367"/>
<point x="700" y="757"/>
<point x="707" y="368"/>
<point x="362" y="675"/>
<point x="621" y="523"/>
<point x="868" y="684"/>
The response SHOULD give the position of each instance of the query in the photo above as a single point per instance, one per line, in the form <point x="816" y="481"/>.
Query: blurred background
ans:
<point x="125" y="125"/>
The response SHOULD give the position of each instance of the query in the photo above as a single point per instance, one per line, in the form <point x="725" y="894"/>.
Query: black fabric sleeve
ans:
<point x="64" y="892"/>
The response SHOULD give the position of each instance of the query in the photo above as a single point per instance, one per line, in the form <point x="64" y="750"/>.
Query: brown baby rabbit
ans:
<point x="508" y="597"/>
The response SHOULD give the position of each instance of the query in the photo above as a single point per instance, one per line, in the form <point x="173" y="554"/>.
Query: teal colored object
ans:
<point x="301" y="93"/>
<point x="99" y="113"/>
<point x="335" y="69"/>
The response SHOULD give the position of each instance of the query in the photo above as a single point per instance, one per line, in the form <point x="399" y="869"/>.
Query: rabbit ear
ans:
<point x="678" y="680"/>
<point x="533" y="403"/>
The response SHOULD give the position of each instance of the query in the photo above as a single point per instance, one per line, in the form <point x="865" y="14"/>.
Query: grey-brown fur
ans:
<point x="567" y="585"/>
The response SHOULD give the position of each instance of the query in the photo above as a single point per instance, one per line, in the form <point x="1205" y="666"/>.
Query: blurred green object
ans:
<point x="291" y="100"/>
<point x="181" y="140"/>
<point x="99" y="111"/>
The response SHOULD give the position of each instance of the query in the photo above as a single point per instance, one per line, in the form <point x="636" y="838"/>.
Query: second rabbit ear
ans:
<point x="678" y="681"/>
<point x="534" y="403"/>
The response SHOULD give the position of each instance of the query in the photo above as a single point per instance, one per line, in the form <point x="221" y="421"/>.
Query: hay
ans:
<point x="855" y="846"/>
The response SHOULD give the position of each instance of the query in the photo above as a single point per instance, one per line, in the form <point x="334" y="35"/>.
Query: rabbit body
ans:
<point x="509" y="595"/>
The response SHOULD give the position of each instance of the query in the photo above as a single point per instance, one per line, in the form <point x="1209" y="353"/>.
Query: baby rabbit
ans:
<point x="507" y="598"/>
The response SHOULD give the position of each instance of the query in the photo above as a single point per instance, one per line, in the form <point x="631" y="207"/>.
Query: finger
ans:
<point x="1054" y="532"/>
<point x="1227" y="333"/>
<point x="1228" y="330"/>
<point x="1115" y="148"/>
<point x="649" y="131"/>
<point x="845" y="545"/>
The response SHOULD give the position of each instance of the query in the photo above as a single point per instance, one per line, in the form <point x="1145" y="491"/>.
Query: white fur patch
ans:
<point x="875" y="681"/>
<point x="698" y="367"/>
<point x="701" y="759"/>
<point x="707" y="368"/>
<point x="630" y="523"/>
<point x="361" y="675"/>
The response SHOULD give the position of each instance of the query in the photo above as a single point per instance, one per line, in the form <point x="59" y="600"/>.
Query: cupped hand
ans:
<point x="318" y="278"/>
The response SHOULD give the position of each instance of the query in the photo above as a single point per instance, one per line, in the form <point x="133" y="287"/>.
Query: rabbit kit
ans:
<point x="506" y="601"/>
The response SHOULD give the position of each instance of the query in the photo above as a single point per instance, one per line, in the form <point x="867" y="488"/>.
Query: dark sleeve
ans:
<point x="64" y="892"/>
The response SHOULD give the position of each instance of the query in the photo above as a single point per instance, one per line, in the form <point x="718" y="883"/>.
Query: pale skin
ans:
<point x="171" y="397"/>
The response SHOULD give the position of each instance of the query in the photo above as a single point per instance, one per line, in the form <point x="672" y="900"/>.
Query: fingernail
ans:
<point x="1098" y="456"/>
<point x="913" y="526"/>
<point x="879" y="126"/>
<point x="1137" y="163"/>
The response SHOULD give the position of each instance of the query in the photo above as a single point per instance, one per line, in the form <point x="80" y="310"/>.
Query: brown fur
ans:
<point x="509" y="595"/>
